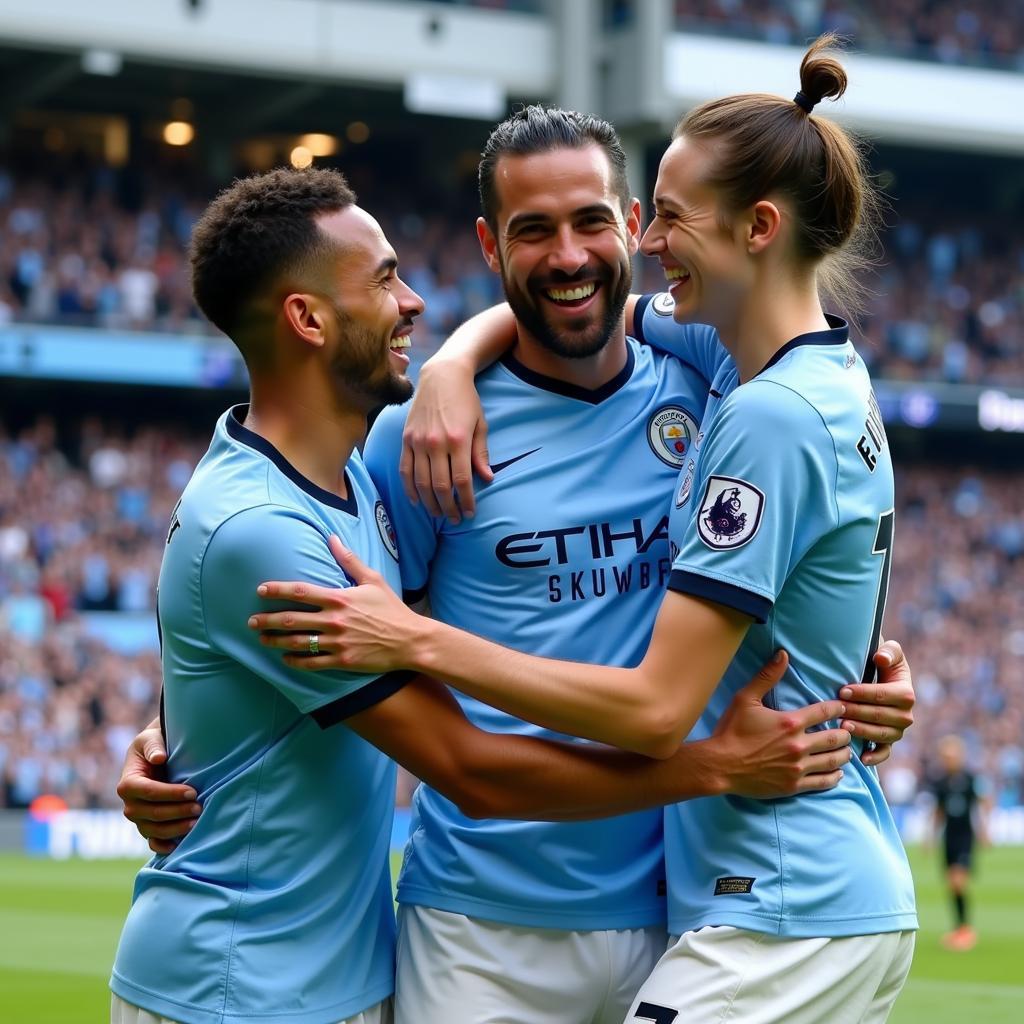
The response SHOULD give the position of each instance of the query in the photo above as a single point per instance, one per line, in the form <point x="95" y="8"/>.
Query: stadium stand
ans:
<point x="947" y="31"/>
<point x="946" y="303"/>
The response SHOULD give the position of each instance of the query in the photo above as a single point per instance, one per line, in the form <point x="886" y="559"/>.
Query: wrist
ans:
<point x="421" y="648"/>
<point x="450" y="360"/>
<point x="705" y="770"/>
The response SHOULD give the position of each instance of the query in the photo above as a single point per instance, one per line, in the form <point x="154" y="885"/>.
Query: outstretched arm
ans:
<point x="648" y="709"/>
<point x="755" y="752"/>
<point x="370" y="627"/>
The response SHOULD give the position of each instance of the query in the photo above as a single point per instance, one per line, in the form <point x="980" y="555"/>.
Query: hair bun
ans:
<point x="821" y="74"/>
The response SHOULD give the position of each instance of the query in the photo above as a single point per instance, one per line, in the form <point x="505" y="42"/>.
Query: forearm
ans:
<point x="608" y="705"/>
<point x="480" y="341"/>
<point x="532" y="779"/>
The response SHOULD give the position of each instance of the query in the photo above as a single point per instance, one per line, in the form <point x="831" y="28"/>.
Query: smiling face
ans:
<point x="562" y="246"/>
<point x="373" y="309"/>
<point x="693" y="238"/>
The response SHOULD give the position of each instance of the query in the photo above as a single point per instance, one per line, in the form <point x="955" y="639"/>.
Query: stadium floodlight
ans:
<point x="178" y="133"/>
<point x="319" y="144"/>
<point x="102" y="62"/>
<point x="300" y="157"/>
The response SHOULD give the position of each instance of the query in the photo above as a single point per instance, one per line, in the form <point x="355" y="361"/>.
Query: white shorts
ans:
<point x="454" y="969"/>
<point x="719" y="975"/>
<point x="125" y="1013"/>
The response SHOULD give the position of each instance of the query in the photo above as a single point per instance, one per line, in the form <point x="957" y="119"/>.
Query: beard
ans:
<point x="581" y="338"/>
<point x="363" y="364"/>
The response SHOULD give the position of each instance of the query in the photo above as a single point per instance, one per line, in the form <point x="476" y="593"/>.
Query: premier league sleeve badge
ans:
<point x="730" y="513"/>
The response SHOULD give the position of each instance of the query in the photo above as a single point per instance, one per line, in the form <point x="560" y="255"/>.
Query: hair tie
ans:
<point x="804" y="102"/>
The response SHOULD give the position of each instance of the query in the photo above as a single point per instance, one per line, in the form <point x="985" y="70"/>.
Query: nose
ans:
<point x="409" y="303"/>
<point x="653" y="241"/>
<point x="569" y="253"/>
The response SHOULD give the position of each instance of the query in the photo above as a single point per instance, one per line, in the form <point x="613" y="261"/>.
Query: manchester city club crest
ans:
<point x="386" y="530"/>
<point x="670" y="432"/>
<point x="663" y="304"/>
<point x="730" y="513"/>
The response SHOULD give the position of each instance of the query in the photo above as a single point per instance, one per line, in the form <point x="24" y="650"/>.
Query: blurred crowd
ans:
<point x="988" y="32"/>
<point x="948" y="302"/>
<point x="82" y="526"/>
<point x="956" y="602"/>
<point x="72" y="254"/>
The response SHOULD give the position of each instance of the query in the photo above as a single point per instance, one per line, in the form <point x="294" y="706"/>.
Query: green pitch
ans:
<point x="59" y="923"/>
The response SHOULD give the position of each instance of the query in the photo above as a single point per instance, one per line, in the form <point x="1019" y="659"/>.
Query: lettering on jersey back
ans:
<point x="175" y="523"/>
<point x="873" y="441"/>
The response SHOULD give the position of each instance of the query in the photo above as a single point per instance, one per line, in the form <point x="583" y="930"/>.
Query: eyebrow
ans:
<point x="386" y="265"/>
<point x="521" y="220"/>
<point x="665" y="201"/>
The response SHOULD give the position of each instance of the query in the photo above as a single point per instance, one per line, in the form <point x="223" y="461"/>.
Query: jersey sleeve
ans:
<point x="766" y="491"/>
<point x="273" y="542"/>
<point x="697" y="345"/>
<point x="415" y="528"/>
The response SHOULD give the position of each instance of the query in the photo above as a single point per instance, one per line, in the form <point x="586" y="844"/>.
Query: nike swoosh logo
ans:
<point x="499" y="466"/>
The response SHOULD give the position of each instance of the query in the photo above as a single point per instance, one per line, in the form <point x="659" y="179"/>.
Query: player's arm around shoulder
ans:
<point x="756" y="752"/>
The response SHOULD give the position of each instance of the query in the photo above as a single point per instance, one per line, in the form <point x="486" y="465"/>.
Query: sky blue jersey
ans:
<point x="277" y="906"/>
<point x="568" y="557"/>
<point x="785" y="513"/>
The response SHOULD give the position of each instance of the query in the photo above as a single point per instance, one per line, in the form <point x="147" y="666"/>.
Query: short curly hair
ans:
<point x="257" y="229"/>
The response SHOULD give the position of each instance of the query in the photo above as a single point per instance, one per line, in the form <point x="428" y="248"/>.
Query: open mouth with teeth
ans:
<point x="572" y="296"/>
<point x="676" y="274"/>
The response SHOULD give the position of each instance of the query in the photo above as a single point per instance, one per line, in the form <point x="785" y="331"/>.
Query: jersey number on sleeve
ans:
<point x="659" y="1014"/>
<point x="883" y="547"/>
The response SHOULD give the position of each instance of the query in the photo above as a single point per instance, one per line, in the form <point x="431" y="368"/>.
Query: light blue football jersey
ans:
<point x="786" y="514"/>
<point x="277" y="906"/>
<point x="568" y="557"/>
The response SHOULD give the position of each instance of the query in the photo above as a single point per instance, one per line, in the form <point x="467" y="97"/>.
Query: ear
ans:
<point x="306" y="315"/>
<point x="633" y="226"/>
<point x="763" y="226"/>
<point x="488" y="244"/>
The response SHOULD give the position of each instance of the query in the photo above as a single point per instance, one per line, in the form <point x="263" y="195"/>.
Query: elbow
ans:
<point x="461" y="784"/>
<point x="475" y="800"/>
<point x="658" y="733"/>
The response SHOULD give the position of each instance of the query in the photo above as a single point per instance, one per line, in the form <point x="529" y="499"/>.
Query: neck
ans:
<point x="777" y="310"/>
<point x="590" y="372"/>
<point x="314" y="433"/>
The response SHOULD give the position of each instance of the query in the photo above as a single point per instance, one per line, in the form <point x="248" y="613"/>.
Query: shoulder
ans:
<point x="387" y="427"/>
<point x="767" y="405"/>
<point x="263" y="534"/>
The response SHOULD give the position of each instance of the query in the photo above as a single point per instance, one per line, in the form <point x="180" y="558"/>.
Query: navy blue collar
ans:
<point x="560" y="387"/>
<point x="838" y="334"/>
<point x="259" y="443"/>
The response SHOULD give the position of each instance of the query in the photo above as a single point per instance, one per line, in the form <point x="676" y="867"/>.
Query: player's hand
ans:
<point x="770" y="753"/>
<point x="163" y="812"/>
<point x="365" y="628"/>
<point x="445" y="441"/>
<point x="881" y="712"/>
